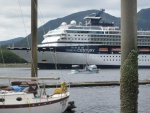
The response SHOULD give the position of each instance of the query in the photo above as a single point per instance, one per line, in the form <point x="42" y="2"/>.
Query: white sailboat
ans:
<point x="26" y="95"/>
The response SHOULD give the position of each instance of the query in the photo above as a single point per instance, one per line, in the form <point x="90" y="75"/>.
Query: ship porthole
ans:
<point x="19" y="99"/>
<point x="2" y="99"/>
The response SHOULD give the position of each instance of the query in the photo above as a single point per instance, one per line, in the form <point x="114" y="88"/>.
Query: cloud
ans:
<point x="15" y="14"/>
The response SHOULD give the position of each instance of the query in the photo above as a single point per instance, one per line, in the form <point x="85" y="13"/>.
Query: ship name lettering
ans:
<point x="81" y="50"/>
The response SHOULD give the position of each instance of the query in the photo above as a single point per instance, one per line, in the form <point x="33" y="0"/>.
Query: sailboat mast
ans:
<point x="34" y="5"/>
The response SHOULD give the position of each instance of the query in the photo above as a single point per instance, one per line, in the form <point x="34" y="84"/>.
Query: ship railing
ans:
<point x="143" y="33"/>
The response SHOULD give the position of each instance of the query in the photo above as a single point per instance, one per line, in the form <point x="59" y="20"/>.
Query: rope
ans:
<point x="28" y="101"/>
<point x="41" y="19"/>
<point x="24" y="24"/>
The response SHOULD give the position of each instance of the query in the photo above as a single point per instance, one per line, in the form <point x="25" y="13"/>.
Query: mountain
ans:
<point x="143" y="23"/>
<point x="144" y="19"/>
<point x="11" y="41"/>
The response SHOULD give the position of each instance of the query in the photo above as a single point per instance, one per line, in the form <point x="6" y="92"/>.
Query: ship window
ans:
<point x="2" y="99"/>
<point x="44" y="61"/>
<point x="19" y="99"/>
<point x="106" y="32"/>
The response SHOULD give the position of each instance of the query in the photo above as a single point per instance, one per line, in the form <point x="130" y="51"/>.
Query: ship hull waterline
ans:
<point x="65" y="60"/>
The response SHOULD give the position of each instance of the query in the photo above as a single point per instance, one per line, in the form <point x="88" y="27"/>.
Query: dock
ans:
<point x="88" y="84"/>
<point x="97" y="83"/>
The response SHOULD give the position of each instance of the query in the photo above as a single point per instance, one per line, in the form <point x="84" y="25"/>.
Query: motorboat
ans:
<point x="87" y="70"/>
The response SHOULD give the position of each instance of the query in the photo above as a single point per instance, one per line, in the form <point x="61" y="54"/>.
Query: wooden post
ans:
<point x="129" y="63"/>
<point x="34" y="38"/>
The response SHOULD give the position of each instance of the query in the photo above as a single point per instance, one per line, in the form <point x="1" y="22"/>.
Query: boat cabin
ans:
<point x="26" y="86"/>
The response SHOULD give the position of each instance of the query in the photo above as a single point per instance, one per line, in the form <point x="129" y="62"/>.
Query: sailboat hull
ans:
<point x="55" y="104"/>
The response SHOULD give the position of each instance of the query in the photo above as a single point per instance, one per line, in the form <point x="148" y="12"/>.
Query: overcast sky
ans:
<point x="15" y="14"/>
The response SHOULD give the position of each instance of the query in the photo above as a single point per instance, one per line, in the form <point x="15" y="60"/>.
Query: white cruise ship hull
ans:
<point x="65" y="60"/>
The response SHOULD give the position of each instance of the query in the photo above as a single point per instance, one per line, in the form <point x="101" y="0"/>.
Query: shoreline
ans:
<point x="18" y="65"/>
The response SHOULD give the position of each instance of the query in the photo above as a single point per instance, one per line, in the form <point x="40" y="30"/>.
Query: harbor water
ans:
<point x="99" y="99"/>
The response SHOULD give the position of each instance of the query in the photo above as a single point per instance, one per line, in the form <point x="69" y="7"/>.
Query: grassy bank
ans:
<point x="15" y="65"/>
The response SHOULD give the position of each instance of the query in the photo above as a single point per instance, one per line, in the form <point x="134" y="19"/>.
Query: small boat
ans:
<point x="91" y="69"/>
<point x="75" y="69"/>
<point x="87" y="70"/>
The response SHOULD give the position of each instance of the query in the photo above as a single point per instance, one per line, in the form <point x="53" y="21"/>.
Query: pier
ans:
<point x="89" y="84"/>
<point x="97" y="83"/>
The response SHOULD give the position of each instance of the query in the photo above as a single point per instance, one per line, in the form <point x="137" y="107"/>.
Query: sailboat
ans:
<point x="28" y="95"/>
<point x="31" y="97"/>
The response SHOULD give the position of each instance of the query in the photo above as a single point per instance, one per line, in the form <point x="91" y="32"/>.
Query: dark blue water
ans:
<point x="105" y="99"/>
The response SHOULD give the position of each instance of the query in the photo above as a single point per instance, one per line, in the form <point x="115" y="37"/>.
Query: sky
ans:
<point x="15" y="15"/>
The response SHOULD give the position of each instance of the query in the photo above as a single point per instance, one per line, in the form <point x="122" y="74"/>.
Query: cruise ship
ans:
<point x="92" y="42"/>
